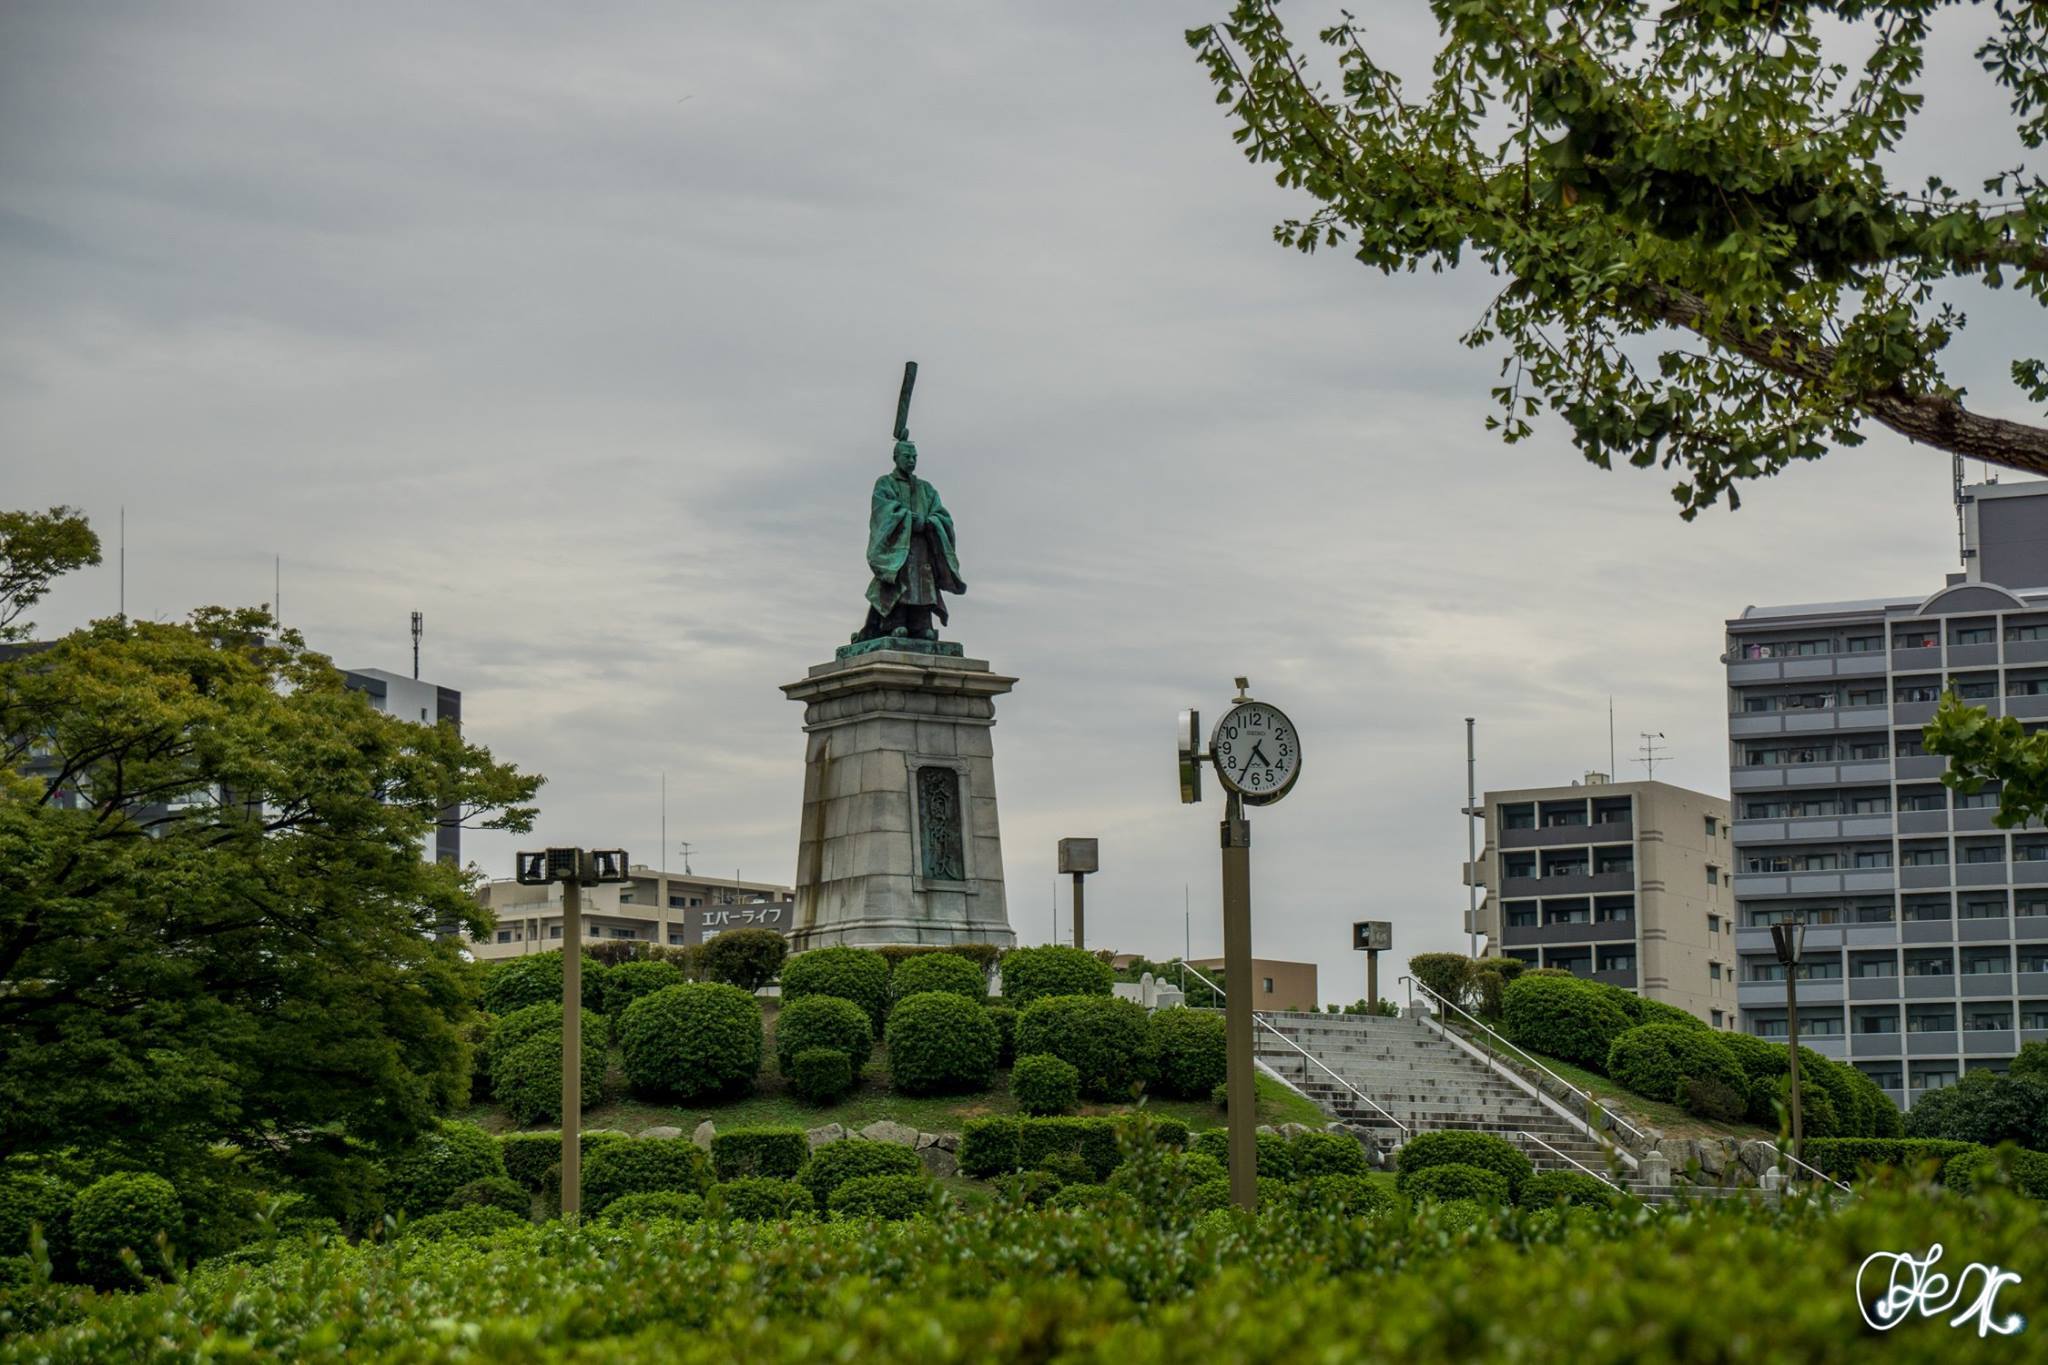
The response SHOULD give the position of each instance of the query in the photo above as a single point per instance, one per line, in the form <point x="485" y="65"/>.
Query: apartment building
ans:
<point x="1622" y="882"/>
<point x="423" y="703"/>
<point x="675" y="909"/>
<point x="1928" y="925"/>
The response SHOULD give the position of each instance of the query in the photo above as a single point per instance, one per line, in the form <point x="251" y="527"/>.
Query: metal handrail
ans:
<point x="1593" y="1105"/>
<point x="1406" y="1131"/>
<point x="1566" y="1156"/>
<point x="1816" y="1170"/>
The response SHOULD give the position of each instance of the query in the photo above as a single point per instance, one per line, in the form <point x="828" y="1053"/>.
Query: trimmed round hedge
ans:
<point x="1044" y="1084"/>
<point x="420" y="1179"/>
<point x="823" y="1021"/>
<point x="886" y="1196"/>
<point x="495" y="1191"/>
<point x="838" y="1162"/>
<point x="1035" y="973"/>
<point x="531" y="1158"/>
<point x="1274" y="1156"/>
<point x="697" y="1040"/>
<point x="941" y="1044"/>
<point x="33" y="1196"/>
<point x="1483" y="1150"/>
<point x="1187" y="1048"/>
<point x="632" y="979"/>
<point x="1563" y="1018"/>
<point x="1103" y="1038"/>
<point x="759" y="1198"/>
<point x="822" y="1075"/>
<point x="1570" y="1187"/>
<point x="129" y="1209"/>
<point x="643" y="1166"/>
<point x="939" y="972"/>
<point x="1656" y="1060"/>
<point x="1350" y="1194"/>
<point x="1454" y="1180"/>
<point x="1320" y="1154"/>
<point x="645" y="1208"/>
<point x="857" y="974"/>
<point x="526" y="1062"/>
<point x="536" y="979"/>
<point x="746" y="958"/>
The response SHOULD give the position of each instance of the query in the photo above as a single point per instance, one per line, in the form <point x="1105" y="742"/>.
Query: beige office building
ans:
<point x="1276" y="985"/>
<point x="1622" y="882"/>
<point x="675" y="909"/>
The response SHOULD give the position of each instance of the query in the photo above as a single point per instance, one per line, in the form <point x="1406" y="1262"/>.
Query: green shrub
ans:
<point x="1101" y="1037"/>
<point x="1546" y="1188"/>
<point x="694" y="1041"/>
<point x="633" y="979"/>
<point x="477" y="1220"/>
<point x="886" y="1196"/>
<point x="1037" y="973"/>
<point x="1044" y="1084"/>
<point x="1030" y="1189"/>
<point x="981" y="955"/>
<point x="529" y="1157"/>
<point x="857" y="974"/>
<point x="2025" y="1171"/>
<point x="743" y="1152"/>
<point x="988" y="1147"/>
<point x="939" y="972"/>
<point x="1656" y="1060"/>
<point x="1201" y="1168"/>
<point x="643" y="1166"/>
<point x="1187" y="1050"/>
<point x="940" y="1044"/>
<point x="1004" y="1017"/>
<point x="1351" y="1194"/>
<point x="1318" y="1154"/>
<point x="129" y="1209"/>
<point x="494" y="1191"/>
<point x="1986" y="1108"/>
<point x="1562" y="1018"/>
<point x="822" y="1075"/>
<point x="1851" y="1158"/>
<point x="759" y="1198"/>
<point x="646" y="1208"/>
<point x="1455" y="1180"/>
<point x="1071" y="1168"/>
<point x="1885" y="1119"/>
<point x="1714" y="1100"/>
<point x="526" y="1062"/>
<point x="1211" y="1195"/>
<point x="823" y="1021"/>
<point x="29" y="1196"/>
<point x="1275" y="1156"/>
<point x="838" y="1162"/>
<point x="1095" y="1140"/>
<point x="1817" y="1115"/>
<point x="1448" y="974"/>
<point x="1657" y="1012"/>
<point x="536" y="979"/>
<point x="746" y="959"/>
<point x="1483" y="1150"/>
<point x="420" y="1178"/>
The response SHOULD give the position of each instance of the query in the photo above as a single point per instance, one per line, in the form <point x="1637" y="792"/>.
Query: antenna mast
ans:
<point x="1652" y="754"/>
<point x="418" y="625"/>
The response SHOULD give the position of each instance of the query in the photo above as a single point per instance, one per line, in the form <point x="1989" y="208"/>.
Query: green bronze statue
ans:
<point x="911" y="550"/>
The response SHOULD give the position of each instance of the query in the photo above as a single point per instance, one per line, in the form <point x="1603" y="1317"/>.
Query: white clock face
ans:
<point x="1257" y="753"/>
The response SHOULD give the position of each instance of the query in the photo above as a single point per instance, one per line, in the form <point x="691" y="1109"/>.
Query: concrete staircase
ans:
<point x="1406" y="1068"/>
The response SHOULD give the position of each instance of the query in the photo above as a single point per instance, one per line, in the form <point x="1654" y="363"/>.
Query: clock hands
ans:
<point x="1258" y="755"/>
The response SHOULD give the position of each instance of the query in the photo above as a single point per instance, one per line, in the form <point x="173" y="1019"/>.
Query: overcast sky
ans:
<point x="578" y="328"/>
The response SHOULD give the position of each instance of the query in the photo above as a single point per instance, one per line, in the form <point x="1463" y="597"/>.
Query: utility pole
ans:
<point x="1471" y="842"/>
<point x="1790" y="942"/>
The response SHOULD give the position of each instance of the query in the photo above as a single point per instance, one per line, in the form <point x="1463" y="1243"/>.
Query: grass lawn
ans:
<point x="772" y="1103"/>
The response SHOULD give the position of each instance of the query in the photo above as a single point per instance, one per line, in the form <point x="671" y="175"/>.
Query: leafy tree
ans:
<point x="1705" y="260"/>
<point x="747" y="958"/>
<point x="216" y="924"/>
<point x="35" y="547"/>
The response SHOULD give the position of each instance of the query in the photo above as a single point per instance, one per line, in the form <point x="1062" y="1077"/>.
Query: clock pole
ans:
<point x="1240" y="1080"/>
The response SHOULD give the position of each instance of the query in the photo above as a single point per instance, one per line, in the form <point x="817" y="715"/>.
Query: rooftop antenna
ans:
<point x="277" y="592"/>
<point x="123" y="592"/>
<point x="1652" y="755"/>
<point x="1471" y="843"/>
<point x="418" y="624"/>
<point x="684" y="845"/>
<point x="662" y="866"/>
<point x="1962" y="541"/>
<point x="1611" y="769"/>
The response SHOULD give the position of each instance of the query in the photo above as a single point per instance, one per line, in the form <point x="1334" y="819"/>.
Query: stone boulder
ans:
<point x="660" y="1131"/>
<point x="888" y="1130"/>
<point x="818" y="1137"/>
<point x="1757" y="1157"/>
<point x="702" y="1137"/>
<point x="938" y="1161"/>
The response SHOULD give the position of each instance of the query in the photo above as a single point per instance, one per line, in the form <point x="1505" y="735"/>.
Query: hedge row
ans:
<point x="744" y="958"/>
<point x="994" y="1147"/>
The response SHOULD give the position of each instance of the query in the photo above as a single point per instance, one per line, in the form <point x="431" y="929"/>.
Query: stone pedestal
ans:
<point x="899" y="841"/>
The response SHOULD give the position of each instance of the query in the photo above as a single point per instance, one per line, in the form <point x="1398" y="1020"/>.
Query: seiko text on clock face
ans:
<point x="1257" y="753"/>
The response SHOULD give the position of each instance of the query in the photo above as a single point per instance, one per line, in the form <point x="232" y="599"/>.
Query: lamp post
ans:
<point x="1257" y="756"/>
<point x="1079" y="857"/>
<point x="574" y="868"/>
<point x="1790" y="941"/>
<point x="1372" y="937"/>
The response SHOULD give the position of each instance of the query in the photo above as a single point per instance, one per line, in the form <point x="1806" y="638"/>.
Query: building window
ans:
<point x="1885" y="1078"/>
<point x="1713" y="924"/>
<point x="1712" y="827"/>
<point x="1873" y="914"/>
<point x="1877" y="1021"/>
<point x="1618" y="959"/>
<point x="1925" y="857"/>
<point x="1915" y="639"/>
<point x="1975" y="635"/>
<point x="1980" y="963"/>
<point x="677" y="938"/>
<point x="1821" y="1026"/>
<point x="1982" y="909"/>
<point x="2030" y="903"/>
<point x="1870" y="805"/>
<point x="1923" y="911"/>
<point x="1916" y="692"/>
<point x="1714" y="970"/>
<point x="1938" y="964"/>
<point x="1518" y="865"/>
<point x="1984" y="853"/>
<point x="2034" y="1015"/>
<point x="1874" y="857"/>
<point x="1871" y="748"/>
<point x="2029" y="851"/>
<point x="1522" y="916"/>
<point x="1941" y="1020"/>
<point x="2033" y="958"/>
<point x="554" y="931"/>
<point x="1770" y="1028"/>
<point x="1611" y="864"/>
<point x="504" y="936"/>
<point x="1713" y="875"/>
<point x="1717" y="1018"/>
<point x="1519" y="816"/>
<point x="678" y="902"/>
<point x="1574" y="912"/>
<point x="625" y="898"/>
<point x="2035" y="631"/>
<point x="1909" y="746"/>
<point x="1977" y="800"/>
<point x="1976" y="689"/>
<point x="1268" y="980"/>
<point x="1921" y="800"/>
<point x="1623" y="912"/>
<point x="1864" y="644"/>
<point x="1982" y="1020"/>
<point x="1886" y="965"/>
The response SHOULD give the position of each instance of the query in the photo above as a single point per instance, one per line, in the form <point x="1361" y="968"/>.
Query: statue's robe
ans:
<point x="910" y="568"/>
